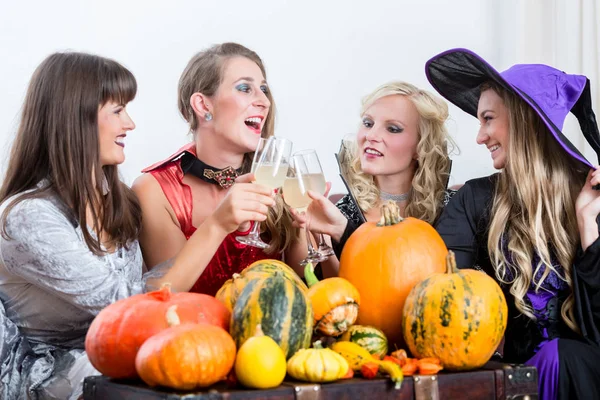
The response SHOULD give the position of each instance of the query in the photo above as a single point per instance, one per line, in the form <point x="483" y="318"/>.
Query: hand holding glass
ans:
<point x="270" y="166"/>
<point x="305" y="174"/>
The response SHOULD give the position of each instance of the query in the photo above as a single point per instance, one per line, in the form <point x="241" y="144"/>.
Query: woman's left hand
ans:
<point x="587" y="208"/>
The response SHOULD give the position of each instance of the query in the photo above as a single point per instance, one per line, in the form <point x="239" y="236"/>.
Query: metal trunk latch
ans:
<point x="307" y="392"/>
<point x="426" y="387"/>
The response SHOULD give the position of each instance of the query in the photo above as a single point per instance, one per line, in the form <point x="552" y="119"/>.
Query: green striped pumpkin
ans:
<point x="280" y="307"/>
<point x="270" y="266"/>
<point x="369" y="338"/>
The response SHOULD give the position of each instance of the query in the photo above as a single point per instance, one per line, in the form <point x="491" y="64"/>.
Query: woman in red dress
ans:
<point x="224" y="96"/>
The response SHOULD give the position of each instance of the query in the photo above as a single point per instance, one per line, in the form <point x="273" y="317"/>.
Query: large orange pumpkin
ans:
<point x="384" y="261"/>
<point x="119" y="330"/>
<point x="458" y="317"/>
<point x="186" y="357"/>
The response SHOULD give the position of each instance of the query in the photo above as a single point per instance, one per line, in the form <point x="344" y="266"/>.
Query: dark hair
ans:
<point x="57" y="140"/>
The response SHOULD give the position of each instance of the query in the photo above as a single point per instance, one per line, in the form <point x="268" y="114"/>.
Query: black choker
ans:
<point x="225" y="177"/>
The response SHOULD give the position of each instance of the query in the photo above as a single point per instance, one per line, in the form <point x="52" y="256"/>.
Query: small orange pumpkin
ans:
<point x="384" y="261"/>
<point x="335" y="303"/>
<point x="186" y="357"/>
<point x="458" y="317"/>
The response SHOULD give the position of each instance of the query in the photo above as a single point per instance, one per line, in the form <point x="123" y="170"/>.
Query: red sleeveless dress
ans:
<point x="232" y="256"/>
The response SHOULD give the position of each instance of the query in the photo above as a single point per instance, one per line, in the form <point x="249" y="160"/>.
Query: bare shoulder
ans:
<point x="152" y="198"/>
<point x="146" y="186"/>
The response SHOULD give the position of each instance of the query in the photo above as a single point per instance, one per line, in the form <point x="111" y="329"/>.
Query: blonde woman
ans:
<point x="400" y="154"/>
<point x="532" y="226"/>
<point x="225" y="98"/>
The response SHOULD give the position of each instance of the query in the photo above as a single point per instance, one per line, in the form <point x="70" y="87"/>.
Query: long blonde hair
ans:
<point x="537" y="215"/>
<point x="204" y="74"/>
<point x="431" y="175"/>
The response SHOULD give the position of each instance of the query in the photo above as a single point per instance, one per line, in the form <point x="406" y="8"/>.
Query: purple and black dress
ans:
<point x="568" y="363"/>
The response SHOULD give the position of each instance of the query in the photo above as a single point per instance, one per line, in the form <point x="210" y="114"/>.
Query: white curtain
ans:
<point x="564" y="34"/>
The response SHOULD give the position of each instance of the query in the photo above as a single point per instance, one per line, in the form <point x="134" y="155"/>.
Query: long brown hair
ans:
<point x="204" y="74"/>
<point x="533" y="211"/>
<point x="57" y="141"/>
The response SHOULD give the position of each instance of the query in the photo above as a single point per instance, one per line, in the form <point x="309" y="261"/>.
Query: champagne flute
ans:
<point x="305" y="174"/>
<point x="270" y="166"/>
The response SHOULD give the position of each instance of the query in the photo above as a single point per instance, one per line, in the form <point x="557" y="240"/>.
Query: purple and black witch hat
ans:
<point x="457" y="74"/>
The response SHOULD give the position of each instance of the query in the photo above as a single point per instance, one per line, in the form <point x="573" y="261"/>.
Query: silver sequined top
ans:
<point x="51" y="287"/>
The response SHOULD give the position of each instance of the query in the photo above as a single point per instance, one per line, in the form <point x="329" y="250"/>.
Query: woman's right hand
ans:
<point x="245" y="202"/>
<point x="587" y="208"/>
<point x="322" y="216"/>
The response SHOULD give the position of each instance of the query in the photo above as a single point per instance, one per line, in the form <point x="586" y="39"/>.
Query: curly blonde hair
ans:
<point x="535" y="217"/>
<point x="431" y="176"/>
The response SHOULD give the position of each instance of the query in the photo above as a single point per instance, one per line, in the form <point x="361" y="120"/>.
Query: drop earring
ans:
<point x="208" y="116"/>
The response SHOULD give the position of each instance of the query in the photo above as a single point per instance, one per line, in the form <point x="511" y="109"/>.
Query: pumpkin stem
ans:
<point x="317" y="345"/>
<point x="258" y="331"/>
<point x="390" y="214"/>
<point x="451" y="263"/>
<point x="162" y="294"/>
<point x="172" y="317"/>
<point x="309" y="275"/>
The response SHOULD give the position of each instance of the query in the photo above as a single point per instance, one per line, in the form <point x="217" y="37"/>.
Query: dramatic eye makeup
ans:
<point x="243" y="87"/>
<point x="247" y="87"/>
<point x="394" y="128"/>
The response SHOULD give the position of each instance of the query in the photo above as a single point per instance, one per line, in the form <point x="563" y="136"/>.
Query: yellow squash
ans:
<point x="353" y="353"/>
<point x="356" y="356"/>
<point x="317" y="365"/>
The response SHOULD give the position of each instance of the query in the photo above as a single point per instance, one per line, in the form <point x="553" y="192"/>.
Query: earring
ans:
<point x="208" y="116"/>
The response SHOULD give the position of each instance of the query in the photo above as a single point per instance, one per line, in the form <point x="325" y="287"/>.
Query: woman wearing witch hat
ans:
<point x="224" y="96"/>
<point x="532" y="226"/>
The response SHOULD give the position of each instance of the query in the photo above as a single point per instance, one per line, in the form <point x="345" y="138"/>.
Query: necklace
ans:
<point x="394" y="197"/>
<point x="223" y="177"/>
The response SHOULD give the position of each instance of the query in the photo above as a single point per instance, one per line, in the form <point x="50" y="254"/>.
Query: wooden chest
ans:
<point x="495" y="381"/>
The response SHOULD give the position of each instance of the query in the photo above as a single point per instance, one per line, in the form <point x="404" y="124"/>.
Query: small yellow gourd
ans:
<point x="356" y="356"/>
<point x="260" y="362"/>
<point x="317" y="365"/>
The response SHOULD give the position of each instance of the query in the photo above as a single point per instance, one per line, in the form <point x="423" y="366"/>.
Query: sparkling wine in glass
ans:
<point x="270" y="166"/>
<point x="305" y="174"/>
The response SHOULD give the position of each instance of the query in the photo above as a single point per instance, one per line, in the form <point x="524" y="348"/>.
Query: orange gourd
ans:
<point x="458" y="317"/>
<point x="335" y="303"/>
<point x="186" y="357"/>
<point x="118" y="331"/>
<point x="384" y="261"/>
<point x="231" y="289"/>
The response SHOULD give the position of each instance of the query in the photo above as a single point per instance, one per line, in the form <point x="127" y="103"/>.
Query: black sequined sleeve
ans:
<point x="350" y="210"/>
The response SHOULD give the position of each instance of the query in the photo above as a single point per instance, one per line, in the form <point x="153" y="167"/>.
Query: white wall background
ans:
<point x="321" y="58"/>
